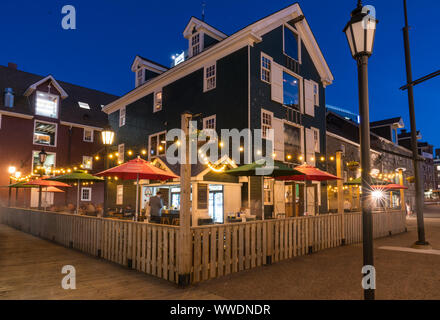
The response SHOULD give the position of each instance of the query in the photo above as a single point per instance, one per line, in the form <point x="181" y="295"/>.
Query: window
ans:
<point x="48" y="164"/>
<point x="45" y="133"/>
<point x="84" y="105"/>
<point x="195" y="44"/>
<point x="209" y="122"/>
<point x="139" y="77"/>
<point x="290" y="91"/>
<point x="266" y="66"/>
<point x="316" y="140"/>
<point x="157" y="144"/>
<point x="293" y="142"/>
<point x="267" y="192"/>
<point x="122" y="117"/>
<point x="157" y="101"/>
<point x="46" y="105"/>
<point x="210" y="77"/>
<point x="291" y="43"/>
<point x="87" y="162"/>
<point x="121" y="151"/>
<point x="119" y="194"/>
<point x="266" y="122"/>
<point x="88" y="135"/>
<point x="86" y="194"/>
<point x="0" y="120"/>
<point x="315" y="93"/>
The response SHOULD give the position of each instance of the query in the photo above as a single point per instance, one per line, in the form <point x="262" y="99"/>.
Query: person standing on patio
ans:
<point x="156" y="204"/>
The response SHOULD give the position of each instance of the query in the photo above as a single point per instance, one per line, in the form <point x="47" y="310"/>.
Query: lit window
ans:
<point x="195" y="44"/>
<point x="210" y="77"/>
<point x="84" y="105"/>
<point x="291" y="43"/>
<point x="46" y="105"/>
<point x="157" y="101"/>
<point x="267" y="192"/>
<point x="119" y="194"/>
<point x="122" y="117"/>
<point x="88" y="135"/>
<point x="266" y="65"/>
<point x="209" y="122"/>
<point x="87" y="162"/>
<point x="86" y="194"/>
<point x="48" y="164"/>
<point x="290" y="91"/>
<point x="121" y="151"/>
<point x="157" y="144"/>
<point x="266" y="122"/>
<point x="45" y="133"/>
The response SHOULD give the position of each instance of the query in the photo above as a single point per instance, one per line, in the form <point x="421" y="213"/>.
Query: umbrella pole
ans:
<point x="137" y="197"/>
<point x="77" y="198"/>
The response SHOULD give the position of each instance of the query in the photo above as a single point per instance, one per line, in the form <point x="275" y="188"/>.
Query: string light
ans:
<point x="130" y="152"/>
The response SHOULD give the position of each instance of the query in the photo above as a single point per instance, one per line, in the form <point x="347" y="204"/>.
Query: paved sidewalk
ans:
<point x="30" y="268"/>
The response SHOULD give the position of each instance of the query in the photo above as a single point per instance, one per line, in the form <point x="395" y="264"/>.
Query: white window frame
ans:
<point x="315" y="92"/>
<point x="57" y="106"/>
<point x="300" y="88"/>
<point x="158" y="101"/>
<point x="316" y="139"/>
<point x="49" y="153"/>
<point x="158" y="143"/>
<point x="212" y="77"/>
<point x="122" y="116"/>
<point x="86" y="159"/>
<point x="89" y="198"/>
<point x="0" y="120"/>
<point x="92" y="134"/>
<point x="199" y="44"/>
<point x="299" y="43"/>
<point x="119" y="194"/>
<point x="121" y="152"/>
<point x="141" y="72"/>
<point x="265" y="126"/>
<point x="205" y="120"/>
<point x="265" y="69"/>
<point x="41" y="144"/>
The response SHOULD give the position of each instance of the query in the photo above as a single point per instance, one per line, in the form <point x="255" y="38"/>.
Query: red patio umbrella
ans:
<point x="137" y="169"/>
<point x="310" y="173"/>
<point x="43" y="182"/>
<point x="388" y="187"/>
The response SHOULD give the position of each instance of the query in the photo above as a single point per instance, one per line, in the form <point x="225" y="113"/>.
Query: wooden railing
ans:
<point x="149" y="248"/>
<point x="217" y="250"/>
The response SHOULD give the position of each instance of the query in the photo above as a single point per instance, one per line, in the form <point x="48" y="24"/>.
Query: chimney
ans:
<point x="12" y="65"/>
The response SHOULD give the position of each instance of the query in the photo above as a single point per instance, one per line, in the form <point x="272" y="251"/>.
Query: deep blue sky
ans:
<point x="111" y="32"/>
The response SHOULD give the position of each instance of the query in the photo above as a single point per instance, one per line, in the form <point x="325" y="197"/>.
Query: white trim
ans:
<point x="348" y="141"/>
<point x="81" y="126"/>
<point x="158" y="143"/>
<point x="270" y="114"/>
<point x="50" y="95"/>
<point x="84" y="135"/>
<point x="316" y="130"/>
<point x="205" y="79"/>
<point x="90" y="194"/>
<point x="56" y="134"/>
<point x="155" y="102"/>
<point x="300" y="89"/>
<point x="16" y="115"/>
<point x="264" y="55"/>
<point x="122" y="116"/>
<point x="210" y="118"/>
<point x="299" y="60"/>
<point x="33" y="87"/>
<point x="147" y="65"/>
<point x="121" y="152"/>
<point x="200" y="25"/>
<point x="119" y="189"/>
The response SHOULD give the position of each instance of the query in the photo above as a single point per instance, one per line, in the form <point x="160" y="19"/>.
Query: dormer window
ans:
<point x="139" y="77"/>
<point x="46" y="105"/>
<point x="195" y="44"/>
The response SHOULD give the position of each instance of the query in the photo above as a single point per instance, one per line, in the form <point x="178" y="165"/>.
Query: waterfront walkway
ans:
<point x="30" y="268"/>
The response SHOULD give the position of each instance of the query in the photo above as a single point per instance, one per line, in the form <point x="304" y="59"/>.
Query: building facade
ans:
<point x="269" y="75"/>
<point x="40" y="113"/>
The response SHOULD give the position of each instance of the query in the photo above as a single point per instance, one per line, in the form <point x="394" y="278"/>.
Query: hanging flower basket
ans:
<point x="353" y="165"/>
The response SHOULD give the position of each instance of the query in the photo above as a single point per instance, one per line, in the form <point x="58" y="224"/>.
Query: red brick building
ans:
<point x="38" y="112"/>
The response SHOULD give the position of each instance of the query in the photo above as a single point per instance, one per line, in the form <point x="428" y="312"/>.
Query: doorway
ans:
<point x="216" y="203"/>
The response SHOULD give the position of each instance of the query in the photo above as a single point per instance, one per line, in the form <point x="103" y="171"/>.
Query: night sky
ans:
<point x="99" y="53"/>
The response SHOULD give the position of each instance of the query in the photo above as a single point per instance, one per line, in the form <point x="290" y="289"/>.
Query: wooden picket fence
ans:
<point x="217" y="250"/>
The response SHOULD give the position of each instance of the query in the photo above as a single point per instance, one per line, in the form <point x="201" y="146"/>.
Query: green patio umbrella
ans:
<point x="374" y="182"/>
<point x="77" y="176"/>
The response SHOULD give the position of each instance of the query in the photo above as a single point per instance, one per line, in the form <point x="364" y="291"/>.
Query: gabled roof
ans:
<point x="199" y="25"/>
<point x="35" y="85"/>
<point x="149" y="64"/>
<point x="70" y="112"/>
<point x="397" y="121"/>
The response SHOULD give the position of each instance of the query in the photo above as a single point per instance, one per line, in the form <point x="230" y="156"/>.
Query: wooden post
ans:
<point x="185" y="240"/>
<point x="402" y="192"/>
<point x="340" y="183"/>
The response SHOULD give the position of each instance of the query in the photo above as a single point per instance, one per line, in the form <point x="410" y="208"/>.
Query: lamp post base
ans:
<point x="421" y="245"/>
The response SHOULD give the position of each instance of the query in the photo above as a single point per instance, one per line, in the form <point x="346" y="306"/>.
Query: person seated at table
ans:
<point x="155" y="204"/>
<point x="128" y="211"/>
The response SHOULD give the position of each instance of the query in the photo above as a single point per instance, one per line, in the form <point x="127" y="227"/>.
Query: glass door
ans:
<point x="216" y="203"/>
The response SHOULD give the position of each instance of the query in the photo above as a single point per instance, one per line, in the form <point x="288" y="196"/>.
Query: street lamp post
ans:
<point x="107" y="136"/>
<point x="42" y="156"/>
<point x="11" y="171"/>
<point x="360" y="32"/>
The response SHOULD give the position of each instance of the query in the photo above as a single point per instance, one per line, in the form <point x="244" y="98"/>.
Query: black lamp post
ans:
<point x="42" y="156"/>
<point x="360" y="32"/>
<point x="107" y="136"/>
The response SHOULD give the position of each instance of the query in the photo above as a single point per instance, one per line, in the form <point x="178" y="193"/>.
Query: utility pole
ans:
<point x="340" y="183"/>
<point x="421" y="242"/>
<point x="185" y="239"/>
